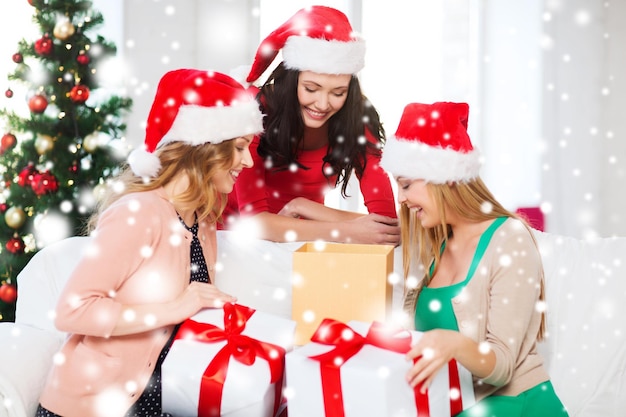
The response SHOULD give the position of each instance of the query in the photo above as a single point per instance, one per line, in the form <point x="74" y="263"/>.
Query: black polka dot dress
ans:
<point x="149" y="404"/>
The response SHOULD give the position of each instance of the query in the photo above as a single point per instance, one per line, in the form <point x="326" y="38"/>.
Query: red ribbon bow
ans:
<point x="348" y="343"/>
<point x="238" y="346"/>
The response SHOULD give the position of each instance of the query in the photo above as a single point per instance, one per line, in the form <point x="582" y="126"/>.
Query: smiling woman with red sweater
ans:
<point x="319" y="131"/>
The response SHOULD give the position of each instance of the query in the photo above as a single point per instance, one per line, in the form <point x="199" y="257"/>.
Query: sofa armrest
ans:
<point x="26" y="358"/>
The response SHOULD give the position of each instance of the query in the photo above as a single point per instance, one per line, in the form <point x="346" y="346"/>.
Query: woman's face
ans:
<point x="416" y="196"/>
<point x="321" y="96"/>
<point x="224" y="180"/>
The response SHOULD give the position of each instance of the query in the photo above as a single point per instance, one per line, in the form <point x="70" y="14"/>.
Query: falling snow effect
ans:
<point x="582" y="156"/>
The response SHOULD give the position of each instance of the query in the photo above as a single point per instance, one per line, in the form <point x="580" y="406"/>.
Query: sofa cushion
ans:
<point x="26" y="358"/>
<point x="42" y="279"/>
<point x="585" y="349"/>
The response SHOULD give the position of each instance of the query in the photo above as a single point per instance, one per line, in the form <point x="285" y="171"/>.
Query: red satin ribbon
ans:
<point x="456" y="404"/>
<point x="421" y="399"/>
<point x="348" y="343"/>
<point x="238" y="346"/>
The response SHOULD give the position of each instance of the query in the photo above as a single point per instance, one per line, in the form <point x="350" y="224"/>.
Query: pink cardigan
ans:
<point x="140" y="254"/>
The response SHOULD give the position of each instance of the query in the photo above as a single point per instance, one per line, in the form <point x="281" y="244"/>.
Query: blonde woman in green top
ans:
<point x="480" y="298"/>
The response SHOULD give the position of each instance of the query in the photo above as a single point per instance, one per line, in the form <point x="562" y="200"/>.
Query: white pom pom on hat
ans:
<point x="144" y="163"/>
<point x="195" y="107"/>
<point x="316" y="38"/>
<point x="432" y="144"/>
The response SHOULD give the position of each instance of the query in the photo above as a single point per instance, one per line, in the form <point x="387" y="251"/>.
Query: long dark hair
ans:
<point x="284" y="128"/>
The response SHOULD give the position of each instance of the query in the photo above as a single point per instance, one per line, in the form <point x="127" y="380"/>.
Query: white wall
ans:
<point x="612" y="206"/>
<point x="584" y="124"/>
<point x="509" y="100"/>
<point x="161" y="36"/>
<point x="12" y="30"/>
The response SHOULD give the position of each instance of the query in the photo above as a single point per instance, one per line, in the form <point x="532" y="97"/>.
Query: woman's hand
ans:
<point x="200" y="295"/>
<point x="431" y="353"/>
<point x="291" y="208"/>
<point x="311" y="221"/>
<point x="141" y="317"/>
<point x="373" y="229"/>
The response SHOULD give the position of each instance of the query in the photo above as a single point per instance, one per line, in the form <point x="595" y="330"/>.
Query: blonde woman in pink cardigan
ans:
<point x="151" y="261"/>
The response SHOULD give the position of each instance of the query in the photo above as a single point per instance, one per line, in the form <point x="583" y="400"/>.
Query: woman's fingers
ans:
<point x="425" y="367"/>
<point x="209" y="295"/>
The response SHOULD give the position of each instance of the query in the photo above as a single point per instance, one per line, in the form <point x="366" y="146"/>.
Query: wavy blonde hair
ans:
<point x="471" y="200"/>
<point x="199" y="162"/>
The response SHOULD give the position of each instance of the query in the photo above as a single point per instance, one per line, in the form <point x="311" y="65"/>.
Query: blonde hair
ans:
<point x="473" y="201"/>
<point x="199" y="162"/>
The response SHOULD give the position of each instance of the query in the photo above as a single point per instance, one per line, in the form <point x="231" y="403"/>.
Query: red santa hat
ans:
<point x="195" y="107"/>
<point x="432" y="144"/>
<point x="316" y="38"/>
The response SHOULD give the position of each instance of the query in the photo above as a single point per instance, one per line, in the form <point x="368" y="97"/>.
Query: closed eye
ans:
<point x="404" y="184"/>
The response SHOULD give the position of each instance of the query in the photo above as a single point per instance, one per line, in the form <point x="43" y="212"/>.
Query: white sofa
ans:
<point x="585" y="351"/>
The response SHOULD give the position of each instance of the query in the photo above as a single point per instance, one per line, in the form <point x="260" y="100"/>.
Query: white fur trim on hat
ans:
<point x="144" y="163"/>
<point x="410" y="159"/>
<point x="198" y="124"/>
<point x="324" y="56"/>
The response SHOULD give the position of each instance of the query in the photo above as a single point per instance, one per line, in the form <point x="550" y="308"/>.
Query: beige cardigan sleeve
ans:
<point x="498" y="306"/>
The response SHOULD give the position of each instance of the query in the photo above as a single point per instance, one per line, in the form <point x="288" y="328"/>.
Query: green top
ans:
<point x="434" y="305"/>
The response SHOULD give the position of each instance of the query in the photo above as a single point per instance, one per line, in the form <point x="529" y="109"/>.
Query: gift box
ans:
<point x="359" y="370"/>
<point x="342" y="281"/>
<point x="227" y="362"/>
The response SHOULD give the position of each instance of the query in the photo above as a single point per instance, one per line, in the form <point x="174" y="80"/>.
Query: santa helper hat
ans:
<point x="316" y="38"/>
<point x="195" y="107"/>
<point x="432" y="144"/>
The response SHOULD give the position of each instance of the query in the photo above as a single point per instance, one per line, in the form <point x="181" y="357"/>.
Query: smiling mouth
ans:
<point x="315" y="114"/>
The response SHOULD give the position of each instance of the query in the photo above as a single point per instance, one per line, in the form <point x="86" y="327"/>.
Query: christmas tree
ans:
<point x="55" y="157"/>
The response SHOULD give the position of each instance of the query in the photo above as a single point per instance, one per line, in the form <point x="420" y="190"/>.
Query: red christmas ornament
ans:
<point x="83" y="58"/>
<point x="74" y="167"/>
<point x="26" y="176"/>
<point x="18" y="58"/>
<point x="3" y="207"/>
<point x="7" y="142"/>
<point x="8" y="93"/>
<point x="43" y="46"/>
<point x="38" y="103"/>
<point x="15" y="245"/>
<point x="8" y="293"/>
<point x="44" y="183"/>
<point x="79" y="94"/>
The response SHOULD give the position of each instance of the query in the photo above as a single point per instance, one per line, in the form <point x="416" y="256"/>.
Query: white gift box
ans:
<point x="372" y="383"/>
<point x="247" y="390"/>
